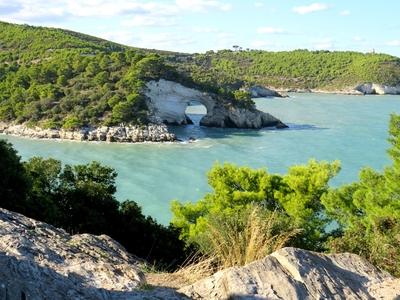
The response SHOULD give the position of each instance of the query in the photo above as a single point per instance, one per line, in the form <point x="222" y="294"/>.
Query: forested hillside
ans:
<point x="57" y="78"/>
<point x="294" y="69"/>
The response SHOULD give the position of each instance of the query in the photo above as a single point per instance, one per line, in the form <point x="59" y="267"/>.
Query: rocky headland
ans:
<point x="168" y="100"/>
<point x="39" y="261"/>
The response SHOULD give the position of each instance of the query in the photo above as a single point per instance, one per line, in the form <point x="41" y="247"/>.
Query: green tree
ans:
<point x="14" y="184"/>
<point x="150" y="67"/>
<point x="92" y="69"/>
<point x="297" y="195"/>
<point x="368" y="211"/>
<point x="147" y="238"/>
<point x="86" y="198"/>
<point x="45" y="178"/>
<point x="101" y="78"/>
<point x="62" y="80"/>
<point x="300" y="196"/>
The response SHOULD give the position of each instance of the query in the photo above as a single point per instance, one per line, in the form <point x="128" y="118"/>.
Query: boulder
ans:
<point x="35" y="256"/>
<point x="258" y="91"/>
<point x="39" y="261"/>
<point x="292" y="273"/>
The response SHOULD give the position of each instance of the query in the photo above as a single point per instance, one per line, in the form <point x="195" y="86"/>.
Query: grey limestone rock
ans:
<point x="292" y="273"/>
<point x="258" y="91"/>
<point x="39" y="261"/>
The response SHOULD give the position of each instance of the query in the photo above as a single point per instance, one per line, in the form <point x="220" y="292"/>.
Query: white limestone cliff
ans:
<point x="168" y="100"/>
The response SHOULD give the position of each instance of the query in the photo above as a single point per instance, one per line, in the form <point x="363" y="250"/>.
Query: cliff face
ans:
<point x="168" y="100"/>
<point x="39" y="261"/>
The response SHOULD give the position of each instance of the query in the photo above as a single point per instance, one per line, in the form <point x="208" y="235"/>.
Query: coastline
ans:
<point x="151" y="133"/>
<point x="359" y="90"/>
<point x="178" y="141"/>
<point x="318" y="91"/>
<point x="155" y="133"/>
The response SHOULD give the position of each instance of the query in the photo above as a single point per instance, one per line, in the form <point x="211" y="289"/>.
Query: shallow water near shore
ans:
<point x="352" y="129"/>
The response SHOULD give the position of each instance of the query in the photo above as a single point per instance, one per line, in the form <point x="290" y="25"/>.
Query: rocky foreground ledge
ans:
<point x="39" y="261"/>
<point x="120" y="134"/>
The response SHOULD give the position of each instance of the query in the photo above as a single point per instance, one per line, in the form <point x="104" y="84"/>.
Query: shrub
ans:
<point x="72" y="122"/>
<point x="243" y="98"/>
<point x="379" y="245"/>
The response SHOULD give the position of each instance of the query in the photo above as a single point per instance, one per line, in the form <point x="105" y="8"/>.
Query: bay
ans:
<point x="352" y="129"/>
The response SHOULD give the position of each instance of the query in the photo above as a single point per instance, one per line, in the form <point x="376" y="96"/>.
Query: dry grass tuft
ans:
<point x="237" y="241"/>
<point x="195" y="268"/>
<point x="231" y="241"/>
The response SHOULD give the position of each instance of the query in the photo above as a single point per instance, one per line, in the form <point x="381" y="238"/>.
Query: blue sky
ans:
<point x="200" y="25"/>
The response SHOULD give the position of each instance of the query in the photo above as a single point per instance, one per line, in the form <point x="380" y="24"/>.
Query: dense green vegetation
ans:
<point x="363" y="217"/>
<point x="57" y="78"/>
<point x="81" y="199"/>
<point x="293" y="69"/>
<point x="296" y="196"/>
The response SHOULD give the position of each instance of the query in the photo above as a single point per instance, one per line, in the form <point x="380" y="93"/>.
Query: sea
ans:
<point x="352" y="129"/>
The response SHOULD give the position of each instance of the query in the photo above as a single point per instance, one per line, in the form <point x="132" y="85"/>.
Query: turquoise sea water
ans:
<point x="352" y="129"/>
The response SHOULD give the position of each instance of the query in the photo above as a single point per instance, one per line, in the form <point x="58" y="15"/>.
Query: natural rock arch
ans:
<point x="195" y="111"/>
<point x="168" y="100"/>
